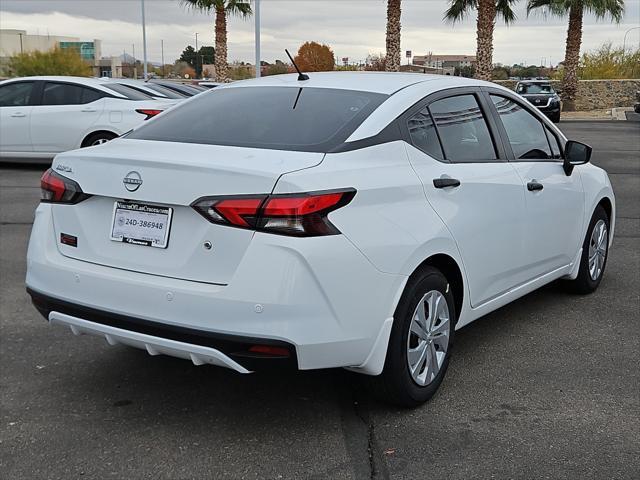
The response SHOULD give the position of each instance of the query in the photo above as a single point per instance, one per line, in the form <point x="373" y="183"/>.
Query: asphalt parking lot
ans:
<point x="547" y="387"/>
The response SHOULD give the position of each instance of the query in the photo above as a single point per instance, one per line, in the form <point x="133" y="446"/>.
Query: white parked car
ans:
<point x="350" y="220"/>
<point x="151" y="89"/>
<point x="43" y="116"/>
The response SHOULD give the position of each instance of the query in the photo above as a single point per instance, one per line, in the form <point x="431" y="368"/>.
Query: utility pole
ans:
<point x="144" y="41"/>
<point x="196" y="59"/>
<point x="256" y="14"/>
<point x="164" y="74"/>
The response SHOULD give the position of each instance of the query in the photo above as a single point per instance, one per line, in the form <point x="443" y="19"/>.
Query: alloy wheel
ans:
<point x="428" y="338"/>
<point x="598" y="249"/>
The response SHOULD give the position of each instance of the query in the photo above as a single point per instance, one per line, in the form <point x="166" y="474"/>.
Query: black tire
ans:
<point x="555" y="118"/>
<point x="584" y="282"/>
<point x="395" y="384"/>
<point x="98" y="138"/>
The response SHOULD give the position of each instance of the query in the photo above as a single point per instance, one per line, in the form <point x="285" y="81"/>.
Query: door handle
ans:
<point x="88" y="110"/>
<point x="18" y="115"/>
<point x="534" y="186"/>
<point x="446" y="182"/>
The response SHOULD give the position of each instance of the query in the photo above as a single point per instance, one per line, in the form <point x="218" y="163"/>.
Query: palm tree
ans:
<point x="221" y="8"/>
<point x="576" y="9"/>
<point x="488" y="10"/>
<point x="392" y="63"/>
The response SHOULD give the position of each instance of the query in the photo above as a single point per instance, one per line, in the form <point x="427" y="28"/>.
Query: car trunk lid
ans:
<point x="166" y="174"/>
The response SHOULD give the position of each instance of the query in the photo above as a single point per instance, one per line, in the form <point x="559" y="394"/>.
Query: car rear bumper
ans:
<point x="318" y="297"/>
<point x="201" y="347"/>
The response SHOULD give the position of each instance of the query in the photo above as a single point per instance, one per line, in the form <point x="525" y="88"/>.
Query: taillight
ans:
<point x="149" y="112"/>
<point x="58" y="189"/>
<point x="299" y="214"/>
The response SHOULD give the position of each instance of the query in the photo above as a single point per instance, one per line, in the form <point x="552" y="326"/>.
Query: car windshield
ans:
<point x="535" y="89"/>
<point x="130" y="93"/>
<point x="281" y="118"/>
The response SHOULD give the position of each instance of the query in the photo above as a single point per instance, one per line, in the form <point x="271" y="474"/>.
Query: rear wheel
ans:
<point x="98" y="138"/>
<point x="595" y="250"/>
<point x="420" y="342"/>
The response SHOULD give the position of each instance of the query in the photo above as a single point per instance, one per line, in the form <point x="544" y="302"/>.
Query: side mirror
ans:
<point x="575" y="153"/>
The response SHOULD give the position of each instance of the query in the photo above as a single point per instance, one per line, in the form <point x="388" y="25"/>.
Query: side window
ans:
<point x="15" y="94"/>
<point x="463" y="130"/>
<point x="424" y="135"/>
<point x="525" y="132"/>
<point x="554" y="143"/>
<point x="62" y="94"/>
<point x="90" y="95"/>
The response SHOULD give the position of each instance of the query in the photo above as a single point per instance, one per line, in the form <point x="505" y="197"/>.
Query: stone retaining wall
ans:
<point x="596" y="94"/>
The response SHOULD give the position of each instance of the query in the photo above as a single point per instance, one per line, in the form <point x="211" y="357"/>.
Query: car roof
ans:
<point x="376" y="82"/>
<point x="90" y="81"/>
<point x="97" y="83"/>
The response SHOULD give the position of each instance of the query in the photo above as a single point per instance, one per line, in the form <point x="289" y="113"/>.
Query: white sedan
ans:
<point x="43" y="116"/>
<point x="154" y="90"/>
<point x="348" y="220"/>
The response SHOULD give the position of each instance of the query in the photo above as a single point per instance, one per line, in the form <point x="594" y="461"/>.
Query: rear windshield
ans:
<point x="188" y="90"/>
<point x="167" y="92"/>
<point x="130" y="93"/>
<point x="534" y="88"/>
<point x="282" y="118"/>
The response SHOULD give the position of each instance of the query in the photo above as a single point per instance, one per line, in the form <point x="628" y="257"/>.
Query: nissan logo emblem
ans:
<point x="132" y="181"/>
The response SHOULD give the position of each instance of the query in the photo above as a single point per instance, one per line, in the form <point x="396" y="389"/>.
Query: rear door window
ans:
<point x="423" y="134"/>
<point x="17" y="94"/>
<point x="69" y="94"/>
<point x="463" y="129"/>
<point x="283" y="118"/>
<point x="61" y="94"/>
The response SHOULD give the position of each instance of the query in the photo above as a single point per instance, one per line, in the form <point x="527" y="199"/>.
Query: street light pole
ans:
<point x="256" y="14"/>
<point x="144" y="41"/>
<point x="164" y="74"/>
<point x="196" y="55"/>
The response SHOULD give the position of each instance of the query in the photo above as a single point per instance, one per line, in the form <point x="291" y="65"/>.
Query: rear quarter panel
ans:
<point x="389" y="219"/>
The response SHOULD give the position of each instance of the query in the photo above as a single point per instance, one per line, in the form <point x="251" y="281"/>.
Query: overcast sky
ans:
<point x="353" y="28"/>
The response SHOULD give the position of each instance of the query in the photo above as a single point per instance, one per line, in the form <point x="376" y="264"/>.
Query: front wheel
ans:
<point x="420" y="342"/>
<point x="595" y="250"/>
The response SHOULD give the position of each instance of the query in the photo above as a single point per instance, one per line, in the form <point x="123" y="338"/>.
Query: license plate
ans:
<point x="140" y="224"/>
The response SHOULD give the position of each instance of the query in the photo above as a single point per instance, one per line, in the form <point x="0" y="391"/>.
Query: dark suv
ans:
<point x="541" y="94"/>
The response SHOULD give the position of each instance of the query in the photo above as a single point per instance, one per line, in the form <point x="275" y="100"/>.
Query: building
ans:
<point x="444" y="61"/>
<point x="426" y="69"/>
<point x="13" y="42"/>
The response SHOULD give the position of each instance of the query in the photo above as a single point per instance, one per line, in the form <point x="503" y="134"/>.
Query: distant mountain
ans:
<point x="126" y="58"/>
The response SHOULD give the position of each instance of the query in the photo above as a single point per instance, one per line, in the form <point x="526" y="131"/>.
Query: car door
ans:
<point x="64" y="116"/>
<point x="16" y="99"/>
<point x="554" y="200"/>
<point x="471" y="186"/>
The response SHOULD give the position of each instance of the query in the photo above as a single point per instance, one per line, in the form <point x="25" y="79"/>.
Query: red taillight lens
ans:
<point x="301" y="214"/>
<point x="149" y="112"/>
<point x="241" y="212"/>
<point x="55" y="188"/>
